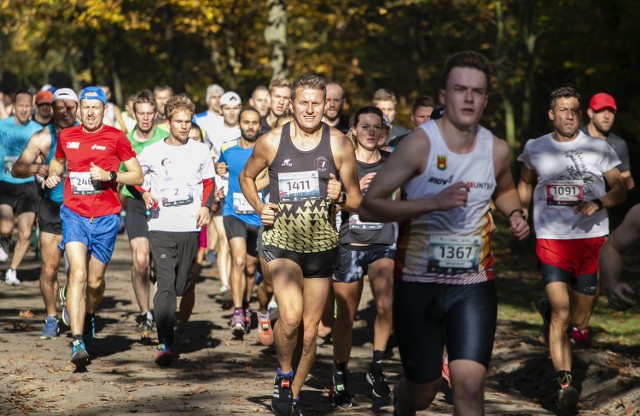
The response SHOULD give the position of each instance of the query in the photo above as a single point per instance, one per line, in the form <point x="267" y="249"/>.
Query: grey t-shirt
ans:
<point x="619" y="145"/>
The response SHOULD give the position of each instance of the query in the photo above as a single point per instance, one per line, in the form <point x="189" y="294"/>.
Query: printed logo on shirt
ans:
<point x="73" y="145"/>
<point x="287" y="162"/>
<point x="441" y="162"/>
<point x="321" y="163"/>
<point x="96" y="147"/>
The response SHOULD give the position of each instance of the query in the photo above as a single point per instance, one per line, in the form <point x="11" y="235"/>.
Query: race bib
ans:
<point x="298" y="186"/>
<point x="146" y="184"/>
<point x="241" y="205"/>
<point x="356" y="224"/>
<point x="173" y="197"/>
<point x="9" y="161"/>
<point x="82" y="184"/>
<point x="565" y="192"/>
<point x="450" y="254"/>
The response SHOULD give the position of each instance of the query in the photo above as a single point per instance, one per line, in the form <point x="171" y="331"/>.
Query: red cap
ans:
<point x="601" y="101"/>
<point x="44" y="97"/>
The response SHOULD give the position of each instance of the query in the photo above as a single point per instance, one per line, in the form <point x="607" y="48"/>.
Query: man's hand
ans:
<point x="333" y="188"/>
<point x="51" y="181"/>
<point x="202" y="217"/>
<point x="619" y="295"/>
<point x="366" y="180"/>
<point x="454" y="196"/>
<point x="98" y="174"/>
<point x="587" y="208"/>
<point x="518" y="226"/>
<point x="268" y="213"/>
<point x="221" y="169"/>
<point x="150" y="201"/>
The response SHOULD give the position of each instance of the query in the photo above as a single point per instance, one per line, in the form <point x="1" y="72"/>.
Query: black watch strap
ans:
<point x="343" y="198"/>
<point x="598" y="203"/>
<point x="114" y="175"/>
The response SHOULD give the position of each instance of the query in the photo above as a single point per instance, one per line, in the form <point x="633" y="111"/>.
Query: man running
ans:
<point x="305" y="158"/>
<point x="571" y="170"/>
<point x="144" y="134"/>
<point x="448" y="170"/>
<point x="35" y="160"/>
<point x="180" y="197"/>
<point x="90" y="212"/>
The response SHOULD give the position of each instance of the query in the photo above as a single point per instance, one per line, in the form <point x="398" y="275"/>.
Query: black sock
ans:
<point x="245" y="304"/>
<point x="342" y="367"/>
<point x="377" y="358"/>
<point x="78" y="337"/>
<point x="565" y="378"/>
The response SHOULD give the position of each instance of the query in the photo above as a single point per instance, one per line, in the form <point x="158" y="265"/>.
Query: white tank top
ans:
<point x="109" y="117"/>
<point x="452" y="246"/>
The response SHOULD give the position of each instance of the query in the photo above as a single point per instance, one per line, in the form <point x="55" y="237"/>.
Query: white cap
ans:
<point x="230" y="98"/>
<point x="65" y="94"/>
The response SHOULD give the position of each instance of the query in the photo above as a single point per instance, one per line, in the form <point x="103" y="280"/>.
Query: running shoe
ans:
<point x="11" y="278"/>
<point x="79" y="354"/>
<point x="224" y="289"/>
<point x="51" y="329"/>
<point x="568" y="398"/>
<point x="579" y="337"/>
<point x="445" y="385"/>
<point x="296" y="408"/>
<point x="339" y="393"/>
<point x="164" y="355"/>
<point x="265" y="332"/>
<point x="237" y="323"/>
<point x="282" y="401"/>
<point x="377" y="380"/>
<point x="247" y="319"/>
<point x="64" y="315"/>
<point x="89" y="329"/>
<point x="544" y="308"/>
<point x="144" y="325"/>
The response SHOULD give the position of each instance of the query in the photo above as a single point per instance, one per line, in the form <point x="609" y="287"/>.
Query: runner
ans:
<point x="241" y="223"/>
<point x="144" y="134"/>
<point x="448" y="171"/>
<point x="300" y="239"/>
<point x="571" y="170"/>
<point x="179" y="200"/>
<point x="34" y="161"/>
<point x="44" y="113"/>
<point x="18" y="196"/>
<point x="365" y="249"/>
<point x="92" y="153"/>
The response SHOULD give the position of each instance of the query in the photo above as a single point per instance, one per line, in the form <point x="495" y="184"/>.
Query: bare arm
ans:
<point x="610" y="260"/>
<point x="346" y="163"/>
<point x="617" y="194"/>
<point x="407" y="161"/>
<point x="133" y="175"/>
<point x="262" y="181"/>
<point x="55" y="170"/>
<point x="506" y="196"/>
<point x="263" y="153"/>
<point x="525" y="188"/>
<point x="31" y="159"/>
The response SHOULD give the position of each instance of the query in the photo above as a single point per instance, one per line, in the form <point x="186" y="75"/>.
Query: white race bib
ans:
<point x="9" y="161"/>
<point x="450" y="254"/>
<point x="241" y="205"/>
<point x="298" y="186"/>
<point x="565" y="192"/>
<point x="356" y="224"/>
<point x="173" y="197"/>
<point x="82" y="184"/>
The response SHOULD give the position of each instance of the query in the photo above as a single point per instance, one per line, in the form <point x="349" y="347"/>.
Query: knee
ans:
<point x="77" y="276"/>
<point x="560" y="315"/>
<point x="384" y="306"/>
<point x="289" y="320"/>
<point x="469" y="389"/>
<point x="239" y="262"/>
<point x="141" y="261"/>
<point x="95" y="284"/>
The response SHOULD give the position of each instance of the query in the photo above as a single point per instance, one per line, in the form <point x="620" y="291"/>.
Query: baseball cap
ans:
<point x="230" y="98"/>
<point x="96" y="94"/>
<point x="65" y="94"/>
<point x="44" y="97"/>
<point x="601" y="101"/>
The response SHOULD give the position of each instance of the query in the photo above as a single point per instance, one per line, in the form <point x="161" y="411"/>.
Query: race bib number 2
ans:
<point x="565" y="192"/>
<point x="82" y="184"/>
<point x="298" y="186"/>
<point x="453" y="254"/>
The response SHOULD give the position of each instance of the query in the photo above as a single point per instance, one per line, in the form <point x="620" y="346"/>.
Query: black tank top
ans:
<point x="305" y="221"/>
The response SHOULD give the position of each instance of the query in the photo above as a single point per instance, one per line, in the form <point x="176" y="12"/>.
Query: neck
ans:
<point x="459" y="139"/>
<point x="18" y="122"/>
<point x="594" y="132"/>
<point x="97" y="129"/>
<point x="141" y="136"/>
<point x="330" y="122"/>
<point x="367" y="156"/>
<point x="559" y="137"/>
<point x="246" y="144"/>
<point x="174" y="141"/>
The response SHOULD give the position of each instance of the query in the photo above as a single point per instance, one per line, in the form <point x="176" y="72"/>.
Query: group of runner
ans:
<point x="316" y="210"/>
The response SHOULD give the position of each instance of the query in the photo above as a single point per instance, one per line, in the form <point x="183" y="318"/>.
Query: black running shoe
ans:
<point x="377" y="380"/>
<point x="568" y="398"/>
<point x="282" y="400"/>
<point x="339" y="393"/>
<point x="296" y="408"/>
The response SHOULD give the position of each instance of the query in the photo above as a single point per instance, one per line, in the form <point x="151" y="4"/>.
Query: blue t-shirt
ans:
<point x="13" y="140"/>
<point x="235" y="204"/>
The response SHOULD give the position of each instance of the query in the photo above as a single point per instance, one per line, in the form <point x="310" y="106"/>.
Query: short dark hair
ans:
<point x="369" y="109"/>
<point x="278" y="82"/>
<point x="179" y="103"/>
<point x="564" y="92"/>
<point x="312" y="81"/>
<point x="22" y="91"/>
<point x="423" y="101"/>
<point x="248" y="108"/>
<point x="384" y="95"/>
<point x="143" y="97"/>
<point x="162" y="87"/>
<point x="466" y="59"/>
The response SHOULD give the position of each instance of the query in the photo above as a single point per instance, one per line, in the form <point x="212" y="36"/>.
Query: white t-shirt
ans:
<point x="176" y="179"/>
<point x="568" y="173"/>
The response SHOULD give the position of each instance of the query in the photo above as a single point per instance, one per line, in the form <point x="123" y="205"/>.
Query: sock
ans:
<point x="564" y="378"/>
<point x="78" y="337"/>
<point x="245" y="304"/>
<point x="377" y="357"/>
<point x="263" y="317"/>
<point x="341" y="367"/>
<point x="289" y="374"/>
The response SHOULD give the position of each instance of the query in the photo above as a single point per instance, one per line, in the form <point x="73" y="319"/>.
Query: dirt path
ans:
<point x="216" y="375"/>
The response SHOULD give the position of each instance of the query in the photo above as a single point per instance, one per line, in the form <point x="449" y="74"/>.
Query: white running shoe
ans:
<point x="3" y="254"/>
<point x="10" y="278"/>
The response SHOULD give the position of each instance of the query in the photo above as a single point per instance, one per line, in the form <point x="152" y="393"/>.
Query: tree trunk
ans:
<point x="275" y="35"/>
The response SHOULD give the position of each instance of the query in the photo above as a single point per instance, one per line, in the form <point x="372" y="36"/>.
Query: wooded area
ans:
<point x="535" y="46"/>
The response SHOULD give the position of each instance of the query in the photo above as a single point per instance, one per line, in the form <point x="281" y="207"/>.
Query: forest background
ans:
<point x="534" y="46"/>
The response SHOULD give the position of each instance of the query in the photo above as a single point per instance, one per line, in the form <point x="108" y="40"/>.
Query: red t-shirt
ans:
<point x="106" y="148"/>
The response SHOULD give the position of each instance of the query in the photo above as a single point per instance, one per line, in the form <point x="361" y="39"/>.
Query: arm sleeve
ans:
<point x="208" y="192"/>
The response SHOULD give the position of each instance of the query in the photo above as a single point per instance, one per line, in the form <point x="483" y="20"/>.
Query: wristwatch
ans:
<point x="598" y="203"/>
<point x="342" y="199"/>
<point x="113" y="176"/>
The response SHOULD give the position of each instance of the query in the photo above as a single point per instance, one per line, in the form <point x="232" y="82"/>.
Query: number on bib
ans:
<point x="450" y="254"/>
<point x="565" y="192"/>
<point x="82" y="184"/>
<point x="298" y="186"/>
